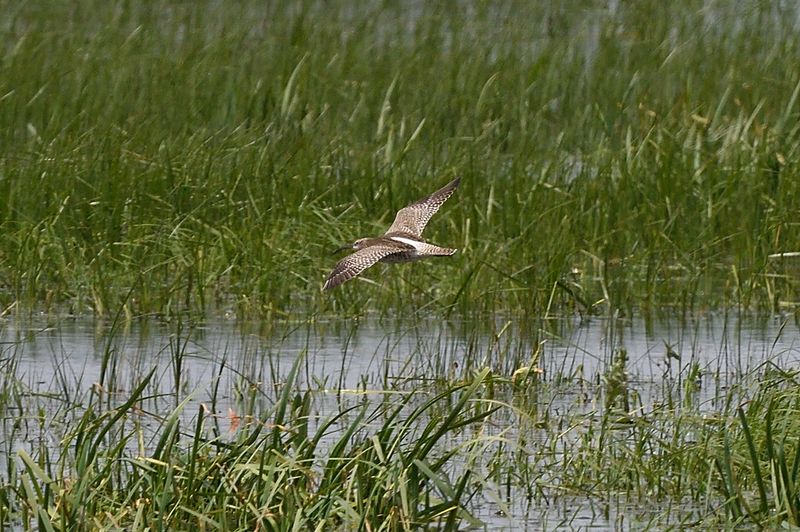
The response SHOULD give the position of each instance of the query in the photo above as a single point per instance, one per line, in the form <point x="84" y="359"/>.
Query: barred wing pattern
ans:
<point x="413" y="218"/>
<point x="354" y="264"/>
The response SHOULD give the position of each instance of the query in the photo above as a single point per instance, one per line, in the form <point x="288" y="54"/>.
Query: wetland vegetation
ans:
<point x="170" y="168"/>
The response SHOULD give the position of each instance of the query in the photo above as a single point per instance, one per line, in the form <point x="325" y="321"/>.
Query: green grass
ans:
<point x="207" y="157"/>
<point x="384" y="467"/>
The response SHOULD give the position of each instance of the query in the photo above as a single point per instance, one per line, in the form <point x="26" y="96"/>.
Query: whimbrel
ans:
<point x="401" y="243"/>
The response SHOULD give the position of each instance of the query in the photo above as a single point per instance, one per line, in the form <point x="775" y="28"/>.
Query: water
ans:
<point x="230" y="368"/>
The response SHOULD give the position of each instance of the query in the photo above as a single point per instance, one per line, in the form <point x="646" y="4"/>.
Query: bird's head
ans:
<point x="358" y="244"/>
<point x="361" y="243"/>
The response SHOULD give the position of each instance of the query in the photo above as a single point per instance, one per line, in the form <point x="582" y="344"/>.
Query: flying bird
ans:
<point x="401" y="243"/>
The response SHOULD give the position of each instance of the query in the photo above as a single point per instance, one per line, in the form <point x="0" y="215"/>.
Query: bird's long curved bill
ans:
<point x="343" y="248"/>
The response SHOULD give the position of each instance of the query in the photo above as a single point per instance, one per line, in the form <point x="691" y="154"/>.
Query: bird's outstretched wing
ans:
<point x="353" y="265"/>
<point x="413" y="218"/>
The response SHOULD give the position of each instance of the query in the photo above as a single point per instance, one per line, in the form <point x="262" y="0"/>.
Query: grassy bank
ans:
<point x="209" y="157"/>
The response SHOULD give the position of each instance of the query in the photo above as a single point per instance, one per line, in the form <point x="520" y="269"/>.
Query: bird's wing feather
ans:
<point x="353" y="265"/>
<point x="413" y="218"/>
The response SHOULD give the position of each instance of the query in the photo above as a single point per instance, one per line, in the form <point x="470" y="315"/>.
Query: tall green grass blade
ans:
<point x="754" y="462"/>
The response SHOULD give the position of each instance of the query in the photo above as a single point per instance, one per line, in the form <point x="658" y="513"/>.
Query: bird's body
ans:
<point x="401" y="243"/>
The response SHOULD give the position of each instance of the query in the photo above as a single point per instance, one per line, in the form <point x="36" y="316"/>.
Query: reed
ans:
<point x="207" y="159"/>
<point x="385" y="466"/>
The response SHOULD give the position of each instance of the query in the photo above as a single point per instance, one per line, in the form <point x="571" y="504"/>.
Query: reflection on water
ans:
<point x="377" y="354"/>
<point x="221" y="362"/>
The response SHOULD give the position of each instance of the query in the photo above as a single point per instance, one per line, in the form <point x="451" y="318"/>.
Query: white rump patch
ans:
<point x="417" y="245"/>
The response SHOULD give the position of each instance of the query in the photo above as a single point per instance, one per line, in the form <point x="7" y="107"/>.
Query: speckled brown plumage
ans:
<point x="413" y="218"/>
<point x="354" y="264"/>
<point x="401" y="243"/>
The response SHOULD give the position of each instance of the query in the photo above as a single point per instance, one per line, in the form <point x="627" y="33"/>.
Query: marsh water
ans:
<point x="232" y="367"/>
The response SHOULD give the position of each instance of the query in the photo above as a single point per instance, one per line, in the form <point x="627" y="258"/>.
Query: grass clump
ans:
<point x="729" y="461"/>
<point x="385" y="467"/>
<point x="759" y="460"/>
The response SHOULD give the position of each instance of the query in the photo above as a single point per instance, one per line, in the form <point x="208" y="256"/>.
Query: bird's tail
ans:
<point x="439" y="251"/>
